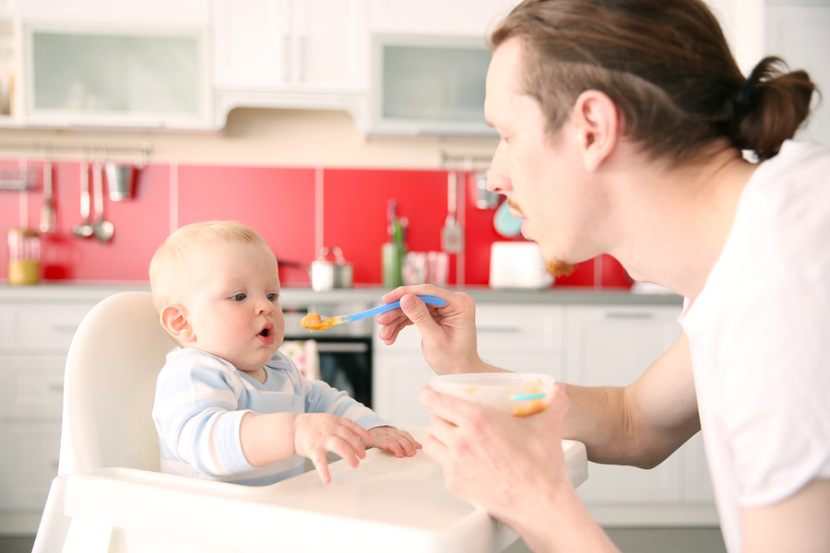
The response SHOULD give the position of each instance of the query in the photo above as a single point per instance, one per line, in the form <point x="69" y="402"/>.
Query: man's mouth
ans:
<point x="515" y="210"/>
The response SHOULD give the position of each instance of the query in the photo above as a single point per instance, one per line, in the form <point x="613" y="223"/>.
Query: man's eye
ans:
<point x="238" y="297"/>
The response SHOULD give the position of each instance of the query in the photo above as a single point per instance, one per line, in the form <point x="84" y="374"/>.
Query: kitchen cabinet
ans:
<point x="117" y="12"/>
<point x="428" y="85"/>
<point x="438" y="17"/>
<point x="127" y="76"/>
<point x="526" y="338"/>
<point x="9" y="65"/>
<point x="290" y="53"/>
<point x="36" y="328"/>
<point x="612" y="345"/>
<point x="105" y="64"/>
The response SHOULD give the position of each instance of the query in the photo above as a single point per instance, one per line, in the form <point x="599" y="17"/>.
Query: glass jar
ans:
<point x="24" y="257"/>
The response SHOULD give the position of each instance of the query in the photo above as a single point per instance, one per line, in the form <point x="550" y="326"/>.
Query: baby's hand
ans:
<point x="398" y="442"/>
<point x="317" y="433"/>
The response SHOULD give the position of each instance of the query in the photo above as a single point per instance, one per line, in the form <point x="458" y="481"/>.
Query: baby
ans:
<point x="229" y="406"/>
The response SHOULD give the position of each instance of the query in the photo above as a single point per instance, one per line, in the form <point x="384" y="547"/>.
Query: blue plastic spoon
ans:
<point x="312" y="321"/>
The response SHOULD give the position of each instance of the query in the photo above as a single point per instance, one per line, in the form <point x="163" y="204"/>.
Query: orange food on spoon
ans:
<point x="312" y="321"/>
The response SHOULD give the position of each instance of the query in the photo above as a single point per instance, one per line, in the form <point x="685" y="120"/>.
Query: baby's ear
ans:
<point x="174" y="321"/>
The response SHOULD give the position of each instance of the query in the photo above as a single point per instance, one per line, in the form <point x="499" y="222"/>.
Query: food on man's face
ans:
<point x="312" y="321"/>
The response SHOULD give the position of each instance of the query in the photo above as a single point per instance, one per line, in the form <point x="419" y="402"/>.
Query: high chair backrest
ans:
<point x="109" y="385"/>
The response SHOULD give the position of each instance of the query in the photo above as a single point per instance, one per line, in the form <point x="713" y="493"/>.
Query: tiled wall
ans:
<point x="297" y="210"/>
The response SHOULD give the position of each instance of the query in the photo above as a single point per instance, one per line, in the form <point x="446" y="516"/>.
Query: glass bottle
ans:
<point x="24" y="257"/>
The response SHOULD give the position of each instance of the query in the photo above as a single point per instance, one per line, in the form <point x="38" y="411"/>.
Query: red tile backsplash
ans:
<point x="297" y="211"/>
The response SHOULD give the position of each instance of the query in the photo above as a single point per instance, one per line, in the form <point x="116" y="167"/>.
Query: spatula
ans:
<point x="312" y="321"/>
<point x="452" y="235"/>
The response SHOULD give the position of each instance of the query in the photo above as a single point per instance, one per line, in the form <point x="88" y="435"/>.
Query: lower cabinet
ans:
<point x="611" y="346"/>
<point x="36" y="328"/>
<point x="580" y="344"/>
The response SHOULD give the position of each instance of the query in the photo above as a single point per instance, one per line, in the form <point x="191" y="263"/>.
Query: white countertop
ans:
<point x="368" y="295"/>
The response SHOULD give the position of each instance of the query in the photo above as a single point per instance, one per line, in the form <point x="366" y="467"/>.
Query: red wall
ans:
<point x="283" y="204"/>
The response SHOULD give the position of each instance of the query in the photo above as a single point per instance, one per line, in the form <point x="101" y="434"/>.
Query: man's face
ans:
<point x="539" y="175"/>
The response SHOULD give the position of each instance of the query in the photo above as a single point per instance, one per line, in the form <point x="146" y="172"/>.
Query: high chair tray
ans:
<point x="386" y="504"/>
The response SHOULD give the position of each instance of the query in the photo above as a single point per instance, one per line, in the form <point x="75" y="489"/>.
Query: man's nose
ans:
<point x="498" y="180"/>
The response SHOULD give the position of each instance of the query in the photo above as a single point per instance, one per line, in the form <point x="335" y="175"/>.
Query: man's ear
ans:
<point x="598" y="121"/>
<point x="174" y="320"/>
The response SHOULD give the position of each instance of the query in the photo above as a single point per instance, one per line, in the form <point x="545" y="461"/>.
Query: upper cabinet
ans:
<point x="111" y="64"/>
<point x="186" y="64"/>
<point x="127" y="76"/>
<point x="315" y="45"/>
<point x="290" y="53"/>
<point x="106" y="12"/>
<point x="438" y="17"/>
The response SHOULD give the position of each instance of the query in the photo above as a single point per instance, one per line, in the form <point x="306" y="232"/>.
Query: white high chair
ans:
<point x="109" y="497"/>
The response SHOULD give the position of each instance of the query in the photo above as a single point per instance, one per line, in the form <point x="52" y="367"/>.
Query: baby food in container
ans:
<point x="24" y="257"/>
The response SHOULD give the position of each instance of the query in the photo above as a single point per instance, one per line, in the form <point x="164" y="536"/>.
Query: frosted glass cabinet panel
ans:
<point x="426" y="85"/>
<point x="126" y="78"/>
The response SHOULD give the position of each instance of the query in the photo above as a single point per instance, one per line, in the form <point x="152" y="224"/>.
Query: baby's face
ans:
<point x="233" y="304"/>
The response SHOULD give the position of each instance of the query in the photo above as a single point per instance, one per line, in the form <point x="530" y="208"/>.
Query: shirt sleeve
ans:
<point x="775" y="392"/>
<point x="195" y="413"/>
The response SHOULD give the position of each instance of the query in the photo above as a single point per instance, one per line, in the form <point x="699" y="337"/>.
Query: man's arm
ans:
<point x="798" y="523"/>
<point x="642" y="423"/>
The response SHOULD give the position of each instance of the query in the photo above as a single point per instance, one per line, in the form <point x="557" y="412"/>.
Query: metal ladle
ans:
<point x="84" y="229"/>
<point x="103" y="228"/>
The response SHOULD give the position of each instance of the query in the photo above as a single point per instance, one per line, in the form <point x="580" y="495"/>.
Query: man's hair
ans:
<point x="666" y="65"/>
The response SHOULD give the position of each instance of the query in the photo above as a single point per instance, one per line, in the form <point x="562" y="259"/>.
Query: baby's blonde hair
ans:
<point x="170" y="264"/>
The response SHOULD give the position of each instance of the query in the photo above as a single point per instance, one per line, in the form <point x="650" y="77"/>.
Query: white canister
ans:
<point x="518" y="265"/>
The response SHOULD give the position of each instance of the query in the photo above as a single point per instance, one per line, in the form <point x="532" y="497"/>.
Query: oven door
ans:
<point x="340" y="356"/>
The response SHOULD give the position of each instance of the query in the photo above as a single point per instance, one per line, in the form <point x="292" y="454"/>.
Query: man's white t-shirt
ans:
<point x="760" y="339"/>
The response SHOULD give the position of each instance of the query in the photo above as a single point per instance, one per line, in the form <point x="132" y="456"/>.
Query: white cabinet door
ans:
<point x="251" y="43"/>
<point x="612" y="346"/>
<point x="152" y="12"/>
<point x="315" y="45"/>
<point x="331" y="41"/>
<point x="28" y="464"/>
<point x="106" y="75"/>
<point x="438" y="17"/>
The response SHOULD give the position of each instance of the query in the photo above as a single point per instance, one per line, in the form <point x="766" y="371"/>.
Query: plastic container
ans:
<point x="24" y="257"/>
<point x="506" y="392"/>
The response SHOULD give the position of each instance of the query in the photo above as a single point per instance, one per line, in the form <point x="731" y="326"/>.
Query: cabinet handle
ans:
<point x="342" y="347"/>
<point x="302" y="55"/>
<point x="56" y="388"/>
<point x="286" y="58"/>
<point x="501" y="329"/>
<point x="641" y="315"/>
<point x="64" y="329"/>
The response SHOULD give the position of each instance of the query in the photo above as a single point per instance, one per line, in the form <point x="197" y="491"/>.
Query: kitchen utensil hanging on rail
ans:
<point x="452" y="235"/>
<point x="84" y="229"/>
<point x="47" y="214"/>
<point x="103" y="229"/>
